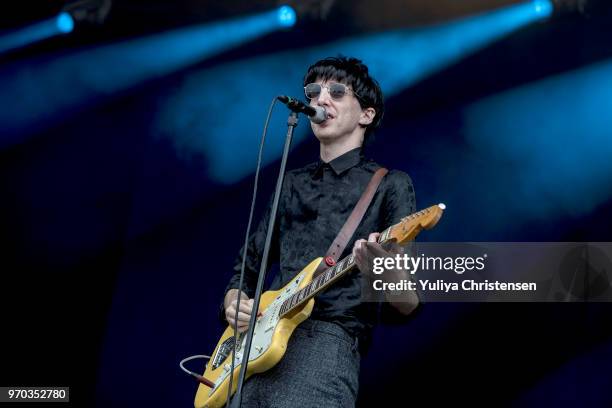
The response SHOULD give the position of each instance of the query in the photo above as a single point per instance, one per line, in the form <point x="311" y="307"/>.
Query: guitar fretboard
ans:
<point x="324" y="279"/>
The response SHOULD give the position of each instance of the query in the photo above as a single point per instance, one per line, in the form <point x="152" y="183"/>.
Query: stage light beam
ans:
<point x="398" y="58"/>
<point x="553" y="136"/>
<point x="42" y="30"/>
<point x="37" y="94"/>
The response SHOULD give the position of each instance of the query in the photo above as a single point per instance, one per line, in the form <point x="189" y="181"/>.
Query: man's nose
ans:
<point x="324" y="97"/>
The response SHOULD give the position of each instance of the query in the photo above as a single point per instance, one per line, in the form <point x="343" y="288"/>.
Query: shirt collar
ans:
<point x="343" y="162"/>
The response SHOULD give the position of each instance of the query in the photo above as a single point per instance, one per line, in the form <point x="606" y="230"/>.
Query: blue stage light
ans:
<point x="41" y="93"/>
<point x="201" y="127"/>
<point x="553" y="137"/>
<point x="205" y="126"/>
<point x="286" y="16"/>
<point x="60" y="24"/>
<point x="64" y="22"/>
<point x="543" y="8"/>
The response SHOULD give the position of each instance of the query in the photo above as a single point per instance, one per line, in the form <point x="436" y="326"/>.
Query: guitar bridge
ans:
<point x="223" y="352"/>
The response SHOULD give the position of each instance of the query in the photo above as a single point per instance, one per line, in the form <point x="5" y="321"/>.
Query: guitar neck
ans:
<point x="406" y="230"/>
<point x="325" y="279"/>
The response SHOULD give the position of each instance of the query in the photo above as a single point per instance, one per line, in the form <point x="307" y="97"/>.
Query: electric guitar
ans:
<point x="283" y="310"/>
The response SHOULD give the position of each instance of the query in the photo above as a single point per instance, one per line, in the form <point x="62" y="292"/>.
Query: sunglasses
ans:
<point x="336" y="90"/>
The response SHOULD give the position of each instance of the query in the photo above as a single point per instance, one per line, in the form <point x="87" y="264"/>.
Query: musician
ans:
<point x="321" y="365"/>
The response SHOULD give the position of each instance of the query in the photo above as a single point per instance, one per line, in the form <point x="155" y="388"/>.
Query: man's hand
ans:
<point x="364" y="253"/>
<point x="244" y="311"/>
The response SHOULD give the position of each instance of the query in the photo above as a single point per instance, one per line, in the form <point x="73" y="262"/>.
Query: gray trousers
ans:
<point x="319" y="370"/>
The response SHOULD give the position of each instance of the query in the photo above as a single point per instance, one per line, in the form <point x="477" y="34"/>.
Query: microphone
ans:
<point x="317" y="114"/>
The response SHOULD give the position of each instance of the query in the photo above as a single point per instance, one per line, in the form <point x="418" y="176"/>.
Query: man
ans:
<point x="321" y="365"/>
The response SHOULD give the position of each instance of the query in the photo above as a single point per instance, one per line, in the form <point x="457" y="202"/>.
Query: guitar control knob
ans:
<point x="226" y="367"/>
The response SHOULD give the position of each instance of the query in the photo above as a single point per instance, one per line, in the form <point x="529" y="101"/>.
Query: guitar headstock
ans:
<point x="409" y="227"/>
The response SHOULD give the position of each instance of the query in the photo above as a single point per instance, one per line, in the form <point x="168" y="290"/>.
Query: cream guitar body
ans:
<point x="270" y="338"/>
<point x="283" y="310"/>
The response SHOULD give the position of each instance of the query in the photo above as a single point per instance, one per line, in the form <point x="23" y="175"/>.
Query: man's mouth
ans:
<point x="327" y="120"/>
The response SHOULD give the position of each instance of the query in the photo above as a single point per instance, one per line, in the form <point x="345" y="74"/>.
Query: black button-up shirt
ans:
<point x="315" y="202"/>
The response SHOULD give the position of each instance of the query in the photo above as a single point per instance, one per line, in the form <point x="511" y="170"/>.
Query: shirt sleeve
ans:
<point x="400" y="201"/>
<point x="254" y="255"/>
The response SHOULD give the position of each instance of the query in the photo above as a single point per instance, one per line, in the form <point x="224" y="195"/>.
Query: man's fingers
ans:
<point x="241" y="326"/>
<point x="246" y="306"/>
<point x="361" y="260"/>
<point x="393" y="247"/>
<point x="364" y="252"/>
<point x="357" y="246"/>
<point x="242" y="317"/>
<point x="375" y="249"/>
<point x="240" y="323"/>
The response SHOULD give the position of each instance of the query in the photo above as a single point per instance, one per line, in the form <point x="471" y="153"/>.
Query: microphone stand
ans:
<point x="292" y="122"/>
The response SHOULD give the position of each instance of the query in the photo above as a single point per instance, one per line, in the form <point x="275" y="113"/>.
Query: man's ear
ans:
<point x="367" y="116"/>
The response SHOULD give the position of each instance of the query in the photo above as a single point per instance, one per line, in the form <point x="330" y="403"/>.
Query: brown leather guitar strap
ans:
<point x="352" y="222"/>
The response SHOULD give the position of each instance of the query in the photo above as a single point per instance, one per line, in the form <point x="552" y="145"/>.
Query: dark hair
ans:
<point x="353" y="73"/>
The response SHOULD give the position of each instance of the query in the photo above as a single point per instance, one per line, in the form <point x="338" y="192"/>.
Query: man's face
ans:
<point x="344" y="115"/>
